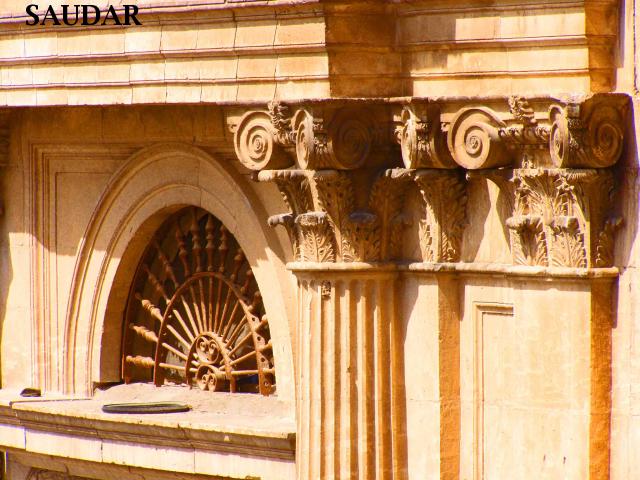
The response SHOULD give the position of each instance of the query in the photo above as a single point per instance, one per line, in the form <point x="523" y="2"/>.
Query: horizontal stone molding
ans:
<point x="459" y="268"/>
<point x="389" y="48"/>
<point x="41" y="474"/>
<point x="199" y="442"/>
<point x="492" y="269"/>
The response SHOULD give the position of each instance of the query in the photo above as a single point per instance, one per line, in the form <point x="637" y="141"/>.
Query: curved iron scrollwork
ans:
<point x="195" y="314"/>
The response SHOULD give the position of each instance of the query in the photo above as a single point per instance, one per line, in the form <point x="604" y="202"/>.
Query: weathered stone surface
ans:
<point x="453" y="294"/>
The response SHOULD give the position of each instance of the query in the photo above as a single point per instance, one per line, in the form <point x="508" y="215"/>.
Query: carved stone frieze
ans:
<point x="528" y="140"/>
<point x="326" y="225"/>
<point x="444" y="198"/>
<point x="562" y="218"/>
<point x="580" y="132"/>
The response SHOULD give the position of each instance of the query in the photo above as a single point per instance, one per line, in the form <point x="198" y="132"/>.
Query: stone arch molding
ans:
<point x="147" y="188"/>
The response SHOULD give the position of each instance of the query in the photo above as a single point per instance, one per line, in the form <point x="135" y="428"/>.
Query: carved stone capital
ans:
<point x="260" y="140"/>
<point x="421" y="139"/>
<point x="326" y="225"/>
<point x="562" y="217"/>
<point x="581" y="132"/>
<point x="575" y="132"/>
<point x="474" y="139"/>
<point x="444" y="199"/>
<point x="548" y="154"/>
<point x="312" y="137"/>
<point x="587" y="134"/>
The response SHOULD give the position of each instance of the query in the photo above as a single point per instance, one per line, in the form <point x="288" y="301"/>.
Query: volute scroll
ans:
<point x="587" y="135"/>
<point x="312" y="137"/>
<point x="421" y="138"/>
<point x="257" y="143"/>
<point x="551" y="157"/>
<point x="474" y="139"/>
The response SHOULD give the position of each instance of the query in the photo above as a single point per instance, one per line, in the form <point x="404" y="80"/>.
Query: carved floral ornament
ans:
<point x="551" y="157"/>
<point x="561" y="217"/>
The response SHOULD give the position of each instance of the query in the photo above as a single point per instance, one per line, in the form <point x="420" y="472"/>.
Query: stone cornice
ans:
<point x="236" y="51"/>
<point x="339" y="169"/>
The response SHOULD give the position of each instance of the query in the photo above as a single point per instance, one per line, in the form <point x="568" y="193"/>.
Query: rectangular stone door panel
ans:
<point x="526" y="422"/>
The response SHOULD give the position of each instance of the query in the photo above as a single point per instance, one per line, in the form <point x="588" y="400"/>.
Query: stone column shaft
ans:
<point x="347" y="363"/>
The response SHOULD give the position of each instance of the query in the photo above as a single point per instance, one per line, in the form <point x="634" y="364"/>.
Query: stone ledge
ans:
<point x="229" y="435"/>
<point x="457" y="268"/>
<point x="511" y="270"/>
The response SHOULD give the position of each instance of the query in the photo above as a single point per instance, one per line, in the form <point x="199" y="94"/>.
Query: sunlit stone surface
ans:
<point x="423" y="235"/>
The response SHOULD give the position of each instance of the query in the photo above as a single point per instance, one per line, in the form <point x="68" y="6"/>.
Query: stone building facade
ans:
<point x="388" y="239"/>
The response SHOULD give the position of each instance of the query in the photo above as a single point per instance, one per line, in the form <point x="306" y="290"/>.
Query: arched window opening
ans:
<point x="195" y="314"/>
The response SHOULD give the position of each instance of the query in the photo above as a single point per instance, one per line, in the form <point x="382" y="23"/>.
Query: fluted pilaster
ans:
<point x="355" y="218"/>
<point x="350" y="374"/>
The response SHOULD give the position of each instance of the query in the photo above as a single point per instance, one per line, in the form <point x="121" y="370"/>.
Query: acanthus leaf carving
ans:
<point x="361" y="237"/>
<point x="333" y="194"/>
<point x="317" y="241"/>
<point x="444" y="195"/>
<point x="387" y="201"/>
<point x="331" y="228"/>
<point x="294" y="188"/>
<point x="560" y="218"/>
<point x="568" y="243"/>
<point x="605" y="242"/>
<point x="528" y="240"/>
